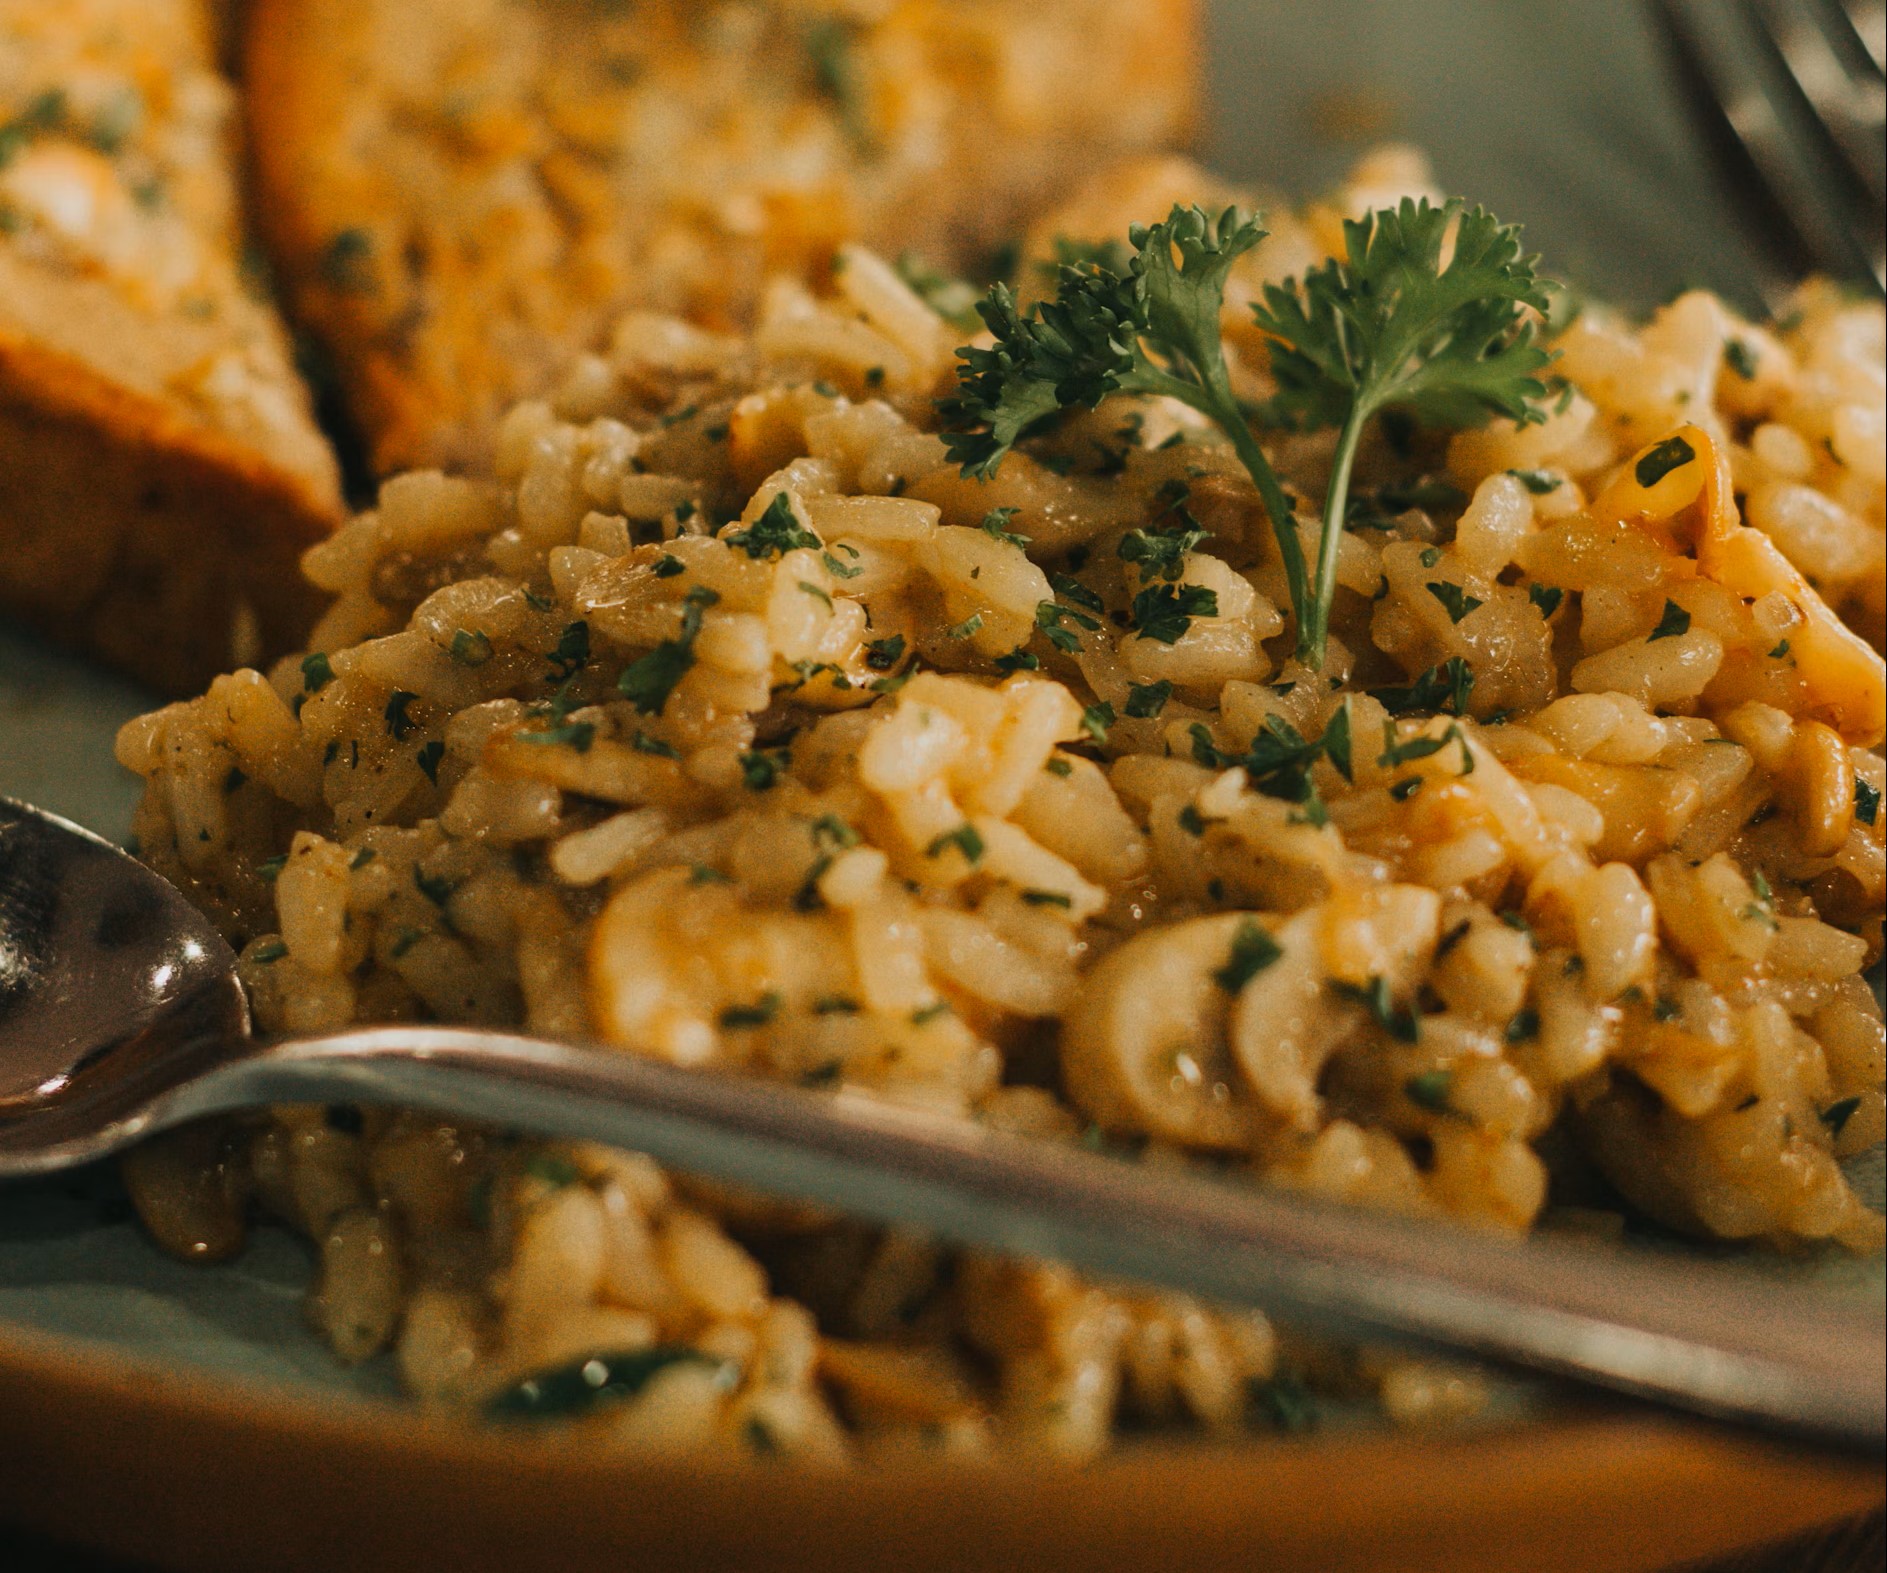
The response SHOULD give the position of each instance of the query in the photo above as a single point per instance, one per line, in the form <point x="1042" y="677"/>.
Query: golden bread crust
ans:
<point x="160" y="469"/>
<point x="460" y="194"/>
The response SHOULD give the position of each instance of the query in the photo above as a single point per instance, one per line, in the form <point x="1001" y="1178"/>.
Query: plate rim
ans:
<point x="218" y="1472"/>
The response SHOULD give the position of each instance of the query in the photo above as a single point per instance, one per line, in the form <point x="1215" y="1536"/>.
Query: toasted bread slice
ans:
<point x="160" y="469"/>
<point x="460" y="194"/>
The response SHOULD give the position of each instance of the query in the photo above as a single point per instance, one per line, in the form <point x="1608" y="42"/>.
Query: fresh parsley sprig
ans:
<point x="1386" y="326"/>
<point x="1154" y="329"/>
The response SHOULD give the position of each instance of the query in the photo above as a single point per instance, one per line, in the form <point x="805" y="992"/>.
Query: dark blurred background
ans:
<point x="1557" y="113"/>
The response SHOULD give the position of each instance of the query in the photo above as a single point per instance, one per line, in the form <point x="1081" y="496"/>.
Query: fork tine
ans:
<point x="1866" y="23"/>
<point x="1817" y="214"/>
<point x="1846" y="114"/>
<point x="1743" y="132"/>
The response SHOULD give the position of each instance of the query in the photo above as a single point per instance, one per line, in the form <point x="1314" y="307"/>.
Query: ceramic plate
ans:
<point x="186" y="1414"/>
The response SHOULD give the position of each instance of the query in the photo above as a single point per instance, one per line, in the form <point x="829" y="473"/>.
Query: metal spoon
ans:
<point x="120" y="1015"/>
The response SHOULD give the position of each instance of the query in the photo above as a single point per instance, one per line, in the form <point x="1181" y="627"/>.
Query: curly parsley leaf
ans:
<point x="1388" y="327"/>
<point x="1150" y="327"/>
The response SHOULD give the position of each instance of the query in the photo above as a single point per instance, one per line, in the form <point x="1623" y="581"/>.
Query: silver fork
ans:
<point x="1792" y="95"/>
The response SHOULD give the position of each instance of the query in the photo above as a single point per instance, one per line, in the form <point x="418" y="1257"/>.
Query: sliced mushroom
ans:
<point x="1145" y="1046"/>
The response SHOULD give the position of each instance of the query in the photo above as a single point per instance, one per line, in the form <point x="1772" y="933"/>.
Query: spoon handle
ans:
<point x="1693" y="1334"/>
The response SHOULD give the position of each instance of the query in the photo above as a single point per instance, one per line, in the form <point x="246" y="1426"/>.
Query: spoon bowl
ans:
<point x="120" y="1015"/>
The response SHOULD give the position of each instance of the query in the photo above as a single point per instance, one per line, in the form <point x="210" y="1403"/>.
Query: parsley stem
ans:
<point x="1313" y="629"/>
<point x="1218" y="404"/>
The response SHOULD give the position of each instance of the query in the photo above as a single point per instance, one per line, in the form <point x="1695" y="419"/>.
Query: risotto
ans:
<point x="729" y="723"/>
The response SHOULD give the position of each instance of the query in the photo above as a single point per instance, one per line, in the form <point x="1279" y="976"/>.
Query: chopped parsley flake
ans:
<point x="1096" y="719"/>
<point x="572" y="734"/>
<point x="1546" y="597"/>
<point x="881" y="655"/>
<point x="996" y="526"/>
<point x="964" y="838"/>
<point x="399" y="723"/>
<point x="470" y="647"/>
<point x="1430" y="1090"/>
<point x="429" y="757"/>
<point x="1671" y="454"/>
<point x="347" y="263"/>
<point x="1675" y="621"/>
<point x="1146" y="700"/>
<point x="1163" y="612"/>
<point x="758" y="1014"/>
<point x="775" y="532"/>
<point x="316" y="672"/>
<point x="1866" y="801"/>
<point x="1740" y="358"/>
<point x="648" y="681"/>
<point x="761" y="770"/>
<point x="1541" y="483"/>
<point x="1401" y="1024"/>
<point x="966" y="628"/>
<point x="1440" y="688"/>
<point x="1253" y="949"/>
<point x="1837" y="1114"/>
<point x="573" y="650"/>
<point x="1455" y="601"/>
<point x="840" y="570"/>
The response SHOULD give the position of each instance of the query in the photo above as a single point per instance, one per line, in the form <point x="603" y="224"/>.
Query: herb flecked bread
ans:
<point x="160" y="470"/>
<point x="460" y="194"/>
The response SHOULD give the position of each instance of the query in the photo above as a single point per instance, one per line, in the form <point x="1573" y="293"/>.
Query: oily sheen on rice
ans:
<point x="728" y="723"/>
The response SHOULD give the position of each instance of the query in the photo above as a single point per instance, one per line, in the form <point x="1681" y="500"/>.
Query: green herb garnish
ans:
<point x="1671" y="454"/>
<point x="775" y="532"/>
<point x="399" y="723"/>
<point x="1430" y="1090"/>
<point x="964" y="838"/>
<point x="1455" y="601"/>
<point x="1163" y="612"/>
<point x="648" y="681"/>
<point x="1146" y="700"/>
<point x="1675" y="621"/>
<point x="596" y="1382"/>
<point x="1401" y="1024"/>
<point x="758" y="1014"/>
<point x="1253" y="949"/>
<point x="1440" y="688"/>
<point x="470" y="648"/>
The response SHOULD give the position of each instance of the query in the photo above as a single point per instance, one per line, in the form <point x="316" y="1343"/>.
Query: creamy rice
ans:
<point x="728" y="724"/>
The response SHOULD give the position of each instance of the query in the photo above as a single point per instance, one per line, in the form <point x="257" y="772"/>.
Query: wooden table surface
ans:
<point x="1856" y="1546"/>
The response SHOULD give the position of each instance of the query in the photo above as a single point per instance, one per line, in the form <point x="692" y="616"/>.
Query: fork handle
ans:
<point x="1692" y="1334"/>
